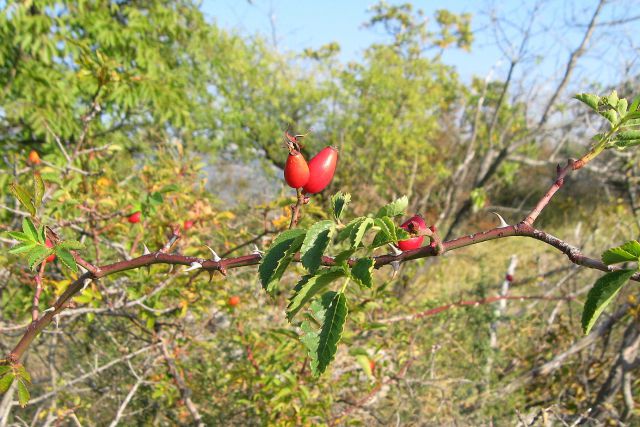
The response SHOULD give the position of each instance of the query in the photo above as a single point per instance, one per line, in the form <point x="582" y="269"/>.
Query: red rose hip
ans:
<point x="296" y="170"/>
<point x="34" y="158"/>
<point x="51" y="257"/>
<point x="414" y="226"/>
<point x="321" y="170"/>
<point x="234" y="301"/>
<point x="134" y="217"/>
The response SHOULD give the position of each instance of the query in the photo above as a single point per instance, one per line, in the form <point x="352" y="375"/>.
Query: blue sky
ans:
<point x="308" y="23"/>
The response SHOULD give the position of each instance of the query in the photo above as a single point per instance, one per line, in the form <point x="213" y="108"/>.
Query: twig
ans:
<point x="295" y="209"/>
<point x="185" y="392"/>
<point x="472" y="303"/>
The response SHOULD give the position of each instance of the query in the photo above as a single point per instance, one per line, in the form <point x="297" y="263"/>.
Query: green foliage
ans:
<point x="601" y="295"/>
<point x="396" y="208"/>
<point x="628" y="252"/>
<point x="339" y="203"/>
<point x="275" y="261"/>
<point x="314" y="244"/>
<point x="330" y="311"/>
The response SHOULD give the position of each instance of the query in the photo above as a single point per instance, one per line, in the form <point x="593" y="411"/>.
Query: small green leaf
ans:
<point x="590" y="99"/>
<point x="30" y="230"/>
<point x="601" y="294"/>
<point x="358" y="232"/>
<point x="23" y="394"/>
<point x="38" y="189"/>
<point x="611" y="116"/>
<point x="361" y="272"/>
<point x="339" y="202"/>
<point x="66" y="258"/>
<point x="19" y="235"/>
<point x="626" y="143"/>
<point x="314" y="244"/>
<point x="308" y="287"/>
<point x="629" y="251"/>
<point x="38" y="254"/>
<point x="73" y="245"/>
<point x="169" y="188"/>
<point x="22" y="247"/>
<point x="278" y="257"/>
<point x="156" y="199"/>
<point x="343" y="256"/>
<point x="346" y="231"/>
<point x="395" y="208"/>
<point x="622" y="107"/>
<point x="612" y="99"/>
<point x="389" y="232"/>
<point x="634" y="104"/>
<point x="24" y="197"/>
<point x="5" y="382"/>
<point x="628" y="134"/>
<point x="22" y="373"/>
<point x="4" y="369"/>
<point x="335" y="315"/>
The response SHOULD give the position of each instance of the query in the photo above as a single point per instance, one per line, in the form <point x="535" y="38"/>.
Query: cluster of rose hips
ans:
<point x="312" y="177"/>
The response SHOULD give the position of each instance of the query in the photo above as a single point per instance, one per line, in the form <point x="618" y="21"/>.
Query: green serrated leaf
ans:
<point x="343" y="256"/>
<point x="278" y="257"/>
<point x="24" y="197"/>
<point x="66" y="258"/>
<point x="634" y="104"/>
<point x="4" y="369"/>
<point x="612" y="99"/>
<point x="611" y="116"/>
<point x="346" y="231"/>
<point x="310" y="286"/>
<point x="361" y="272"/>
<point x="19" y="235"/>
<point x="169" y="188"/>
<point x="601" y="294"/>
<point x="37" y="255"/>
<point x="73" y="245"/>
<point x="622" y="107"/>
<point x="628" y="134"/>
<point x="38" y="189"/>
<point x="335" y="315"/>
<point x="314" y="244"/>
<point x="630" y="251"/>
<point x="22" y="373"/>
<point x="389" y="232"/>
<point x="30" y="230"/>
<point x="22" y="247"/>
<point x="626" y="143"/>
<point x="5" y="382"/>
<point x="590" y="99"/>
<point x="395" y="208"/>
<point x="339" y="202"/>
<point x="358" y="232"/>
<point x="23" y="394"/>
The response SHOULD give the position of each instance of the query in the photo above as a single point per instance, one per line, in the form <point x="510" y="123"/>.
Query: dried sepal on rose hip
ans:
<point x="415" y="226"/>
<point x="322" y="167"/>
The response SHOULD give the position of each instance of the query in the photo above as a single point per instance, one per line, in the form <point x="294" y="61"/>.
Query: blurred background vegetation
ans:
<point x="124" y="98"/>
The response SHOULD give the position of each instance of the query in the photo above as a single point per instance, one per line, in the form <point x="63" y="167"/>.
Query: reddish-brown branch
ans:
<point x="223" y="265"/>
<point x="35" y="309"/>
<point x="295" y="209"/>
